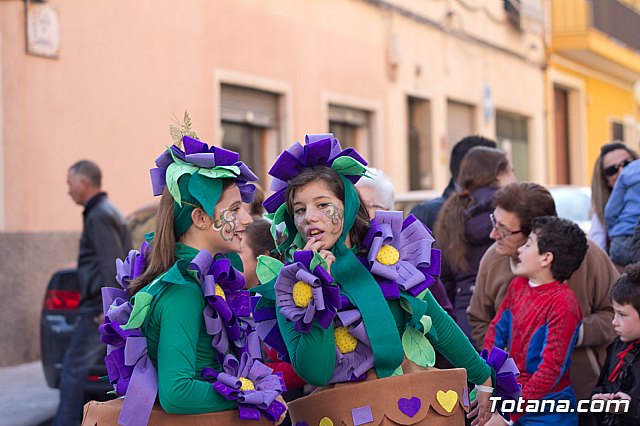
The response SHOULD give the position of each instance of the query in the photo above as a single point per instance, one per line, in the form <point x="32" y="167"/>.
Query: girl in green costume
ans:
<point x="384" y="316"/>
<point x="183" y="320"/>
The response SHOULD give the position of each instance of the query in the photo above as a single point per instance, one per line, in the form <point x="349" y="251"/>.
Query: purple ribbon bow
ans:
<point x="506" y="386"/>
<point x="199" y="154"/>
<point x="251" y="383"/>
<point x="319" y="150"/>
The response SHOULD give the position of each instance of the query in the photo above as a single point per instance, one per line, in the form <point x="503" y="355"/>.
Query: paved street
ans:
<point x="26" y="398"/>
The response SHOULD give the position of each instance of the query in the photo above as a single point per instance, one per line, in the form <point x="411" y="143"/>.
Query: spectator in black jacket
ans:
<point x="427" y="211"/>
<point x="620" y="377"/>
<point x="105" y="237"/>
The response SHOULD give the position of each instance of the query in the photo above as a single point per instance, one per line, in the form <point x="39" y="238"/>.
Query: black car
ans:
<point x="59" y="313"/>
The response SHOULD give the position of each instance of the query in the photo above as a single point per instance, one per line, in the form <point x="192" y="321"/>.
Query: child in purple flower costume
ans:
<point x="353" y="302"/>
<point x="178" y="328"/>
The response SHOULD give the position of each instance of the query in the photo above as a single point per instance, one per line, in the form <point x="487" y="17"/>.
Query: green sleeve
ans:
<point x="454" y="345"/>
<point x="313" y="354"/>
<point x="180" y="343"/>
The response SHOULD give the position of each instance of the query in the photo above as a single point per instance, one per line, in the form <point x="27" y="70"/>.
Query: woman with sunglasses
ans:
<point x="622" y="213"/>
<point x="612" y="159"/>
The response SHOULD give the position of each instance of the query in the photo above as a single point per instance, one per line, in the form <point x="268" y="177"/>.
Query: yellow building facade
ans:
<point x="592" y="84"/>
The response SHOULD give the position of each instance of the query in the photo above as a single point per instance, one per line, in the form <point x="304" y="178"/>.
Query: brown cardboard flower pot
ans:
<point x="429" y="397"/>
<point x="107" y="413"/>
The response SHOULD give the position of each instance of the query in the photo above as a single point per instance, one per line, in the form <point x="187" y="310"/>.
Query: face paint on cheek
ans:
<point x="298" y="219"/>
<point x="226" y="224"/>
<point x="336" y="216"/>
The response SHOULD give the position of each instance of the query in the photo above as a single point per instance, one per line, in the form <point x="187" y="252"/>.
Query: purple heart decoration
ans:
<point x="409" y="406"/>
<point x="302" y="424"/>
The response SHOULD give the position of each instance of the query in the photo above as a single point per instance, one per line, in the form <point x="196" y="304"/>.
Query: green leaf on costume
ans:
<point x="417" y="348"/>
<point x="219" y="172"/>
<point x="236" y="260"/>
<point x="349" y="166"/>
<point x="206" y="190"/>
<point x="414" y="306"/>
<point x="277" y="218"/>
<point x="422" y="294"/>
<point x="426" y="323"/>
<point x="193" y="274"/>
<point x="174" y="172"/>
<point x="267" y="292"/>
<point x="404" y="304"/>
<point x="317" y="260"/>
<point x="142" y="302"/>
<point x="398" y="371"/>
<point x="268" y="268"/>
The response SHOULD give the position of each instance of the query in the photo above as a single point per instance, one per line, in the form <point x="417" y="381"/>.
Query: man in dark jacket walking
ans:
<point x="105" y="237"/>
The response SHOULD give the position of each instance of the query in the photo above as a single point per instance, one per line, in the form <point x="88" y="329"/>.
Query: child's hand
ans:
<point x="328" y="257"/>
<point x="318" y="246"/>
<point x="603" y="396"/>
<point x="621" y="395"/>
<point x="496" y="420"/>
<point x="480" y="407"/>
<point x="313" y="243"/>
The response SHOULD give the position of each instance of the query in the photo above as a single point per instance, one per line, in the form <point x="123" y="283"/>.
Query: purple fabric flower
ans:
<point x="354" y="356"/>
<point x="266" y="323"/>
<point x="251" y="383"/>
<point x="507" y="372"/>
<point x="304" y="293"/>
<point x="223" y="289"/>
<point x="401" y="253"/>
<point x="319" y="150"/>
<point x="127" y="361"/>
<point x="201" y="155"/>
<point x="133" y="266"/>
<point x="117" y="310"/>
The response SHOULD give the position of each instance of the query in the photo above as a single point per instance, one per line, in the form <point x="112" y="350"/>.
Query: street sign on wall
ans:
<point x="43" y="30"/>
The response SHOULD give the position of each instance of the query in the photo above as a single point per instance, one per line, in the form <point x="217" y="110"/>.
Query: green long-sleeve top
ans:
<point x="178" y="344"/>
<point x="313" y="354"/>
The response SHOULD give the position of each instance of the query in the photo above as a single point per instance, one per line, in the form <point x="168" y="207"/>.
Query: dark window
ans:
<point x="352" y="127"/>
<point x="617" y="131"/>
<point x="512" y="135"/>
<point x="247" y="116"/>
<point x="420" y="154"/>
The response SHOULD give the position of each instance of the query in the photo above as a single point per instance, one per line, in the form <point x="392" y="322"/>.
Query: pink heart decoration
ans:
<point x="409" y="406"/>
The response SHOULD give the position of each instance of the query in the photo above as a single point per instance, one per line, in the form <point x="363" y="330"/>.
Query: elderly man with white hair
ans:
<point x="377" y="192"/>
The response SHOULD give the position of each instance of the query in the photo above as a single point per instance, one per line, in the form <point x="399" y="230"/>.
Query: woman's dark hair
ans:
<point x="334" y="183"/>
<point x="600" y="189"/>
<point x="626" y="291"/>
<point x="259" y="237"/>
<point x="256" y="208"/>
<point x="162" y="254"/>
<point x="480" y="168"/>
<point x="527" y="200"/>
<point x="565" y="240"/>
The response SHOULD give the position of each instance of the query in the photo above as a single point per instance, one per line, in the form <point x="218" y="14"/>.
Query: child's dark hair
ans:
<point x="565" y="240"/>
<point x="626" y="290"/>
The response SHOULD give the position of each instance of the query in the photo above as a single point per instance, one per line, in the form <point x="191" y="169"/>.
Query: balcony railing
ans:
<point x="610" y="17"/>
<point x="618" y="21"/>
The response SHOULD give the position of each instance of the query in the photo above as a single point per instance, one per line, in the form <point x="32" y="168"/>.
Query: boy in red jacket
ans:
<point x="539" y="319"/>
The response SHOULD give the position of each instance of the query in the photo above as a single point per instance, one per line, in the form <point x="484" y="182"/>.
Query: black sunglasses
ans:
<point x="612" y="170"/>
